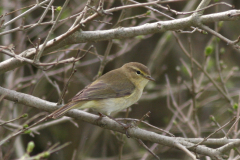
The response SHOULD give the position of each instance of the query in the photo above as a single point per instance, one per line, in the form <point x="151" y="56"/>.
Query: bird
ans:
<point x="112" y="92"/>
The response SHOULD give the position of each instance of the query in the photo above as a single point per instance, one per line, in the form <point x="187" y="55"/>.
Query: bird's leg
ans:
<point x="122" y="124"/>
<point x="101" y="115"/>
<point x="126" y="127"/>
<point x="99" y="118"/>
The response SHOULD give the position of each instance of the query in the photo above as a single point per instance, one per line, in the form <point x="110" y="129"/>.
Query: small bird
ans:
<point x="112" y="92"/>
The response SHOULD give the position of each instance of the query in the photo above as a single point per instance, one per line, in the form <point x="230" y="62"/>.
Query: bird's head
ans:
<point x="137" y="73"/>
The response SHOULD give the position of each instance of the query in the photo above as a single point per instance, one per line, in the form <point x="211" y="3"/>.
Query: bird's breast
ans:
<point x="114" y="105"/>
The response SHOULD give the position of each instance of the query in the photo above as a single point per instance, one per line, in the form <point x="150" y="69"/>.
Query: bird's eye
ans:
<point x="138" y="72"/>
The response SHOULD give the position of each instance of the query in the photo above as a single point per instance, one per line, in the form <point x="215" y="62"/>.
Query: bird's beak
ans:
<point x="150" y="78"/>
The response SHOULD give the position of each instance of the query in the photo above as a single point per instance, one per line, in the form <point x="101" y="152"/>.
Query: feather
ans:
<point x="100" y="89"/>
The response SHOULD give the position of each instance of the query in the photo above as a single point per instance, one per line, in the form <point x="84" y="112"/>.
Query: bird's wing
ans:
<point x="119" y="86"/>
<point x="95" y="91"/>
<point x="102" y="90"/>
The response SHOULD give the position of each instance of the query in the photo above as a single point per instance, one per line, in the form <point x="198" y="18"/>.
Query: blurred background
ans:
<point x="160" y="52"/>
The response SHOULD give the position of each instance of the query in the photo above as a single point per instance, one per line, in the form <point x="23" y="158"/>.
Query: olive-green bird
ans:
<point x="112" y="92"/>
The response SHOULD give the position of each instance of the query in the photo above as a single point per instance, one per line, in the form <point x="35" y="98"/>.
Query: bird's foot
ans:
<point x="125" y="126"/>
<point x="99" y="119"/>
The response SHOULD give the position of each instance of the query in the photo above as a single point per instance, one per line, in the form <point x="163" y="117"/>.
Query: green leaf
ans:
<point x="208" y="50"/>
<point x="212" y="118"/>
<point x="25" y="125"/>
<point x="204" y="32"/>
<point x="184" y="70"/>
<point x="25" y="115"/>
<point x="46" y="154"/>
<point x="235" y="106"/>
<point x="148" y="13"/>
<point x="59" y="8"/>
<point x="30" y="147"/>
<point x="27" y="131"/>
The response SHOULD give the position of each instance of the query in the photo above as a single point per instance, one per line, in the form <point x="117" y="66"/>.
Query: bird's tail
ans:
<point x="61" y="111"/>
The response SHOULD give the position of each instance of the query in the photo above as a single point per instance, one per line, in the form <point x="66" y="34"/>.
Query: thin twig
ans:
<point x="218" y="59"/>
<point x="198" y="10"/>
<point x="24" y="13"/>
<point x="183" y="117"/>
<point x="23" y="59"/>
<point x="193" y="92"/>
<point x="68" y="81"/>
<point x="22" y="116"/>
<point x="229" y="99"/>
<point x="141" y="142"/>
<point x="235" y="124"/>
<point x="54" y="84"/>
<point x="21" y="131"/>
<point x="143" y="117"/>
<point x="183" y="148"/>
<point x="233" y="119"/>
<point x="72" y="73"/>
<point x="137" y="120"/>
<point x="216" y="123"/>
<point x="104" y="61"/>
<point x="39" y="54"/>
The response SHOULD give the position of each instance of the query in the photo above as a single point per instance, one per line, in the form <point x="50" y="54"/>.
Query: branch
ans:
<point x="118" y="33"/>
<point x="107" y="123"/>
<point x="38" y="5"/>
